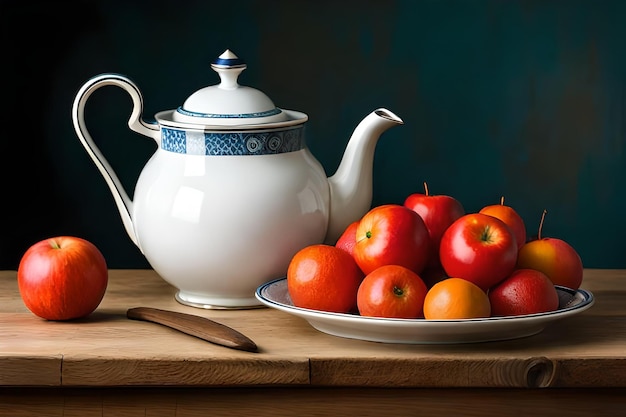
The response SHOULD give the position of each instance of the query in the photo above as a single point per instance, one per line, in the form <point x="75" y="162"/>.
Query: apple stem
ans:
<point x="425" y="187"/>
<point x="502" y="200"/>
<point x="543" y="216"/>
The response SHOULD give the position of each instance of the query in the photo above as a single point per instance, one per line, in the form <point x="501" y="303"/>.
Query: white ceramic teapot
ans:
<point x="232" y="192"/>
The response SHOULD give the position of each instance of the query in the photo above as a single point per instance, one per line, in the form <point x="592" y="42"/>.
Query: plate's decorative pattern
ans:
<point x="275" y="294"/>
<point x="232" y="143"/>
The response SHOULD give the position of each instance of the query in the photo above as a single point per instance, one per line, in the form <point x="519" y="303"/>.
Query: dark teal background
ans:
<point x="522" y="99"/>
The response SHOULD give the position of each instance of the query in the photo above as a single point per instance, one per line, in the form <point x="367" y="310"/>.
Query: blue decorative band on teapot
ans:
<point x="267" y="113"/>
<point x="193" y="142"/>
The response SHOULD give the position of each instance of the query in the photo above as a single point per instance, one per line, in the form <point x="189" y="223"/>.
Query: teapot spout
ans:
<point x="352" y="184"/>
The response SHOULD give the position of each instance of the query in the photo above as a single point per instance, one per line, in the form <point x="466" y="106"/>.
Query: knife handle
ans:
<point x="201" y="327"/>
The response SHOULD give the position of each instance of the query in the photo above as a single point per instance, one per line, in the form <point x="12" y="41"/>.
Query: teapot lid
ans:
<point x="229" y="104"/>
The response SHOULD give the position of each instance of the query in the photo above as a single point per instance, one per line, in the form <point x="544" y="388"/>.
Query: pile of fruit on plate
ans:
<point x="429" y="259"/>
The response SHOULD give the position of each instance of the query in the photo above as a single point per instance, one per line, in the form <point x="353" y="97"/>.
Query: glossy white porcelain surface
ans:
<point x="219" y="226"/>
<point x="420" y="331"/>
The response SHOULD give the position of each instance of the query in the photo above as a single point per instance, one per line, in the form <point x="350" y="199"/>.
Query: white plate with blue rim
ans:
<point x="274" y="294"/>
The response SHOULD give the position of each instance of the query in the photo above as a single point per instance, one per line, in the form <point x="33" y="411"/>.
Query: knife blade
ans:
<point x="201" y="327"/>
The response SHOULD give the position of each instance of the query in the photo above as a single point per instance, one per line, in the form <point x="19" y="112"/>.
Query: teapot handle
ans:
<point x="135" y="122"/>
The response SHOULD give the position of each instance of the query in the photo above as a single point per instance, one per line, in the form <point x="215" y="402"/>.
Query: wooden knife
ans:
<point x="193" y="325"/>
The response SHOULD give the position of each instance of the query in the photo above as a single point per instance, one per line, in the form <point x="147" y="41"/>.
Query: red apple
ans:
<point x="509" y="216"/>
<point x="62" y="278"/>
<point x="554" y="257"/>
<point x="525" y="291"/>
<point x="438" y="213"/>
<point x="347" y="240"/>
<point x="392" y="291"/>
<point x="479" y="248"/>
<point x="391" y="234"/>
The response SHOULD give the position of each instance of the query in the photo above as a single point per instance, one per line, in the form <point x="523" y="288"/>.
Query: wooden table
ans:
<point x="107" y="365"/>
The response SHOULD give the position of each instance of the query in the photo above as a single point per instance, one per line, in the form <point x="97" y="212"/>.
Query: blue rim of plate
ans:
<point x="584" y="298"/>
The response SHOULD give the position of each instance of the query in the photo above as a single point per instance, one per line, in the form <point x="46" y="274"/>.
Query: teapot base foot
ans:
<point x="216" y="304"/>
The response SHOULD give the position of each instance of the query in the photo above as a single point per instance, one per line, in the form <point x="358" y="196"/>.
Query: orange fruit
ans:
<point x="456" y="298"/>
<point x="324" y="277"/>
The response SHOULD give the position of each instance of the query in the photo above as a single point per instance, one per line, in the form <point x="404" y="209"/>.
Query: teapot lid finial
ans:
<point x="228" y="66"/>
<point x="228" y="60"/>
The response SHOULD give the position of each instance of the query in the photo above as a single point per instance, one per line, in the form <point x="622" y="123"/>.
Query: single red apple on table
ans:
<point x="347" y="240"/>
<point x="509" y="216"/>
<point x="554" y="257"/>
<point x="525" y="291"/>
<point x="438" y="213"/>
<point x="392" y="291"/>
<point x="479" y="248"/>
<point x="62" y="278"/>
<point x="392" y="234"/>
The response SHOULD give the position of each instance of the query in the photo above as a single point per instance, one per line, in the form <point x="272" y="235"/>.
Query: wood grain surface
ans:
<point x="311" y="402"/>
<point x="585" y="353"/>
